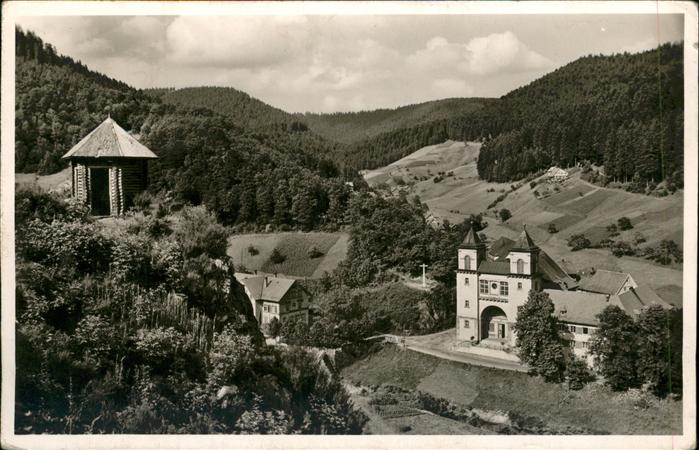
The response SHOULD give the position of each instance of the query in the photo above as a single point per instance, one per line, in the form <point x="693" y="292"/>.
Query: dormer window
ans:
<point x="520" y="266"/>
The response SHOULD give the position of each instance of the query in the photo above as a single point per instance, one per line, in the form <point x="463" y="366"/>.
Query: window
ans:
<point x="467" y="262"/>
<point x="466" y="304"/>
<point x="562" y="327"/>
<point x="571" y="328"/>
<point x="483" y="287"/>
<point x="466" y="281"/>
<point x="494" y="287"/>
<point x="585" y="344"/>
<point x="466" y="323"/>
<point x="520" y="266"/>
<point x="585" y="330"/>
<point x="519" y="286"/>
<point x="504" y="288"/>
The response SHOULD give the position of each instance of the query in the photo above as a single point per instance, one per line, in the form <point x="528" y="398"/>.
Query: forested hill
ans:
<point x="239" y="106"/>
<point x="351" y="127"/>
<point x="622" y="111"/>
<point x="204" y="157"/>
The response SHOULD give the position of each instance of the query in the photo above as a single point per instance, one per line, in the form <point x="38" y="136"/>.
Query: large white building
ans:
<point x="491" y="285"/>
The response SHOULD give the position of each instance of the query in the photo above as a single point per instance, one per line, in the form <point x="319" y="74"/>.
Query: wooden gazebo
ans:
<point x="108" y="167"/>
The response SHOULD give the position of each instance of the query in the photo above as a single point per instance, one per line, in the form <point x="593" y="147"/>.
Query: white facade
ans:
<point x="489" y="292"/>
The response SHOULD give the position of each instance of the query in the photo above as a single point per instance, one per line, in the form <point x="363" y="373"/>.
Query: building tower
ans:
<point x="472" y="252"/>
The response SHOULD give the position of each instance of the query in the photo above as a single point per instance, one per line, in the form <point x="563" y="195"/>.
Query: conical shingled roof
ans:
<point x="109" y="140"/>
<point x="471" y="240"/>
<point x="524" y="242"/>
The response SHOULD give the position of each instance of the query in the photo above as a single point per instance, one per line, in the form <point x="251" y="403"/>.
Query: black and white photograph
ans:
<point x="437" y="224"/>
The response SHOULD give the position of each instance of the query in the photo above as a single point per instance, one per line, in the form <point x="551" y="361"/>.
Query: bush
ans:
<point x="664" y="252"/>
<point x="277" y="257"/>
<point x="68" y="244"/>
<point x="578" y="374"/>
<point x="313" y="252"/>
<point x="622" y="248"/>
<point x="252" y="250"/>
<point x="552" y="228"/>
<point x="578" y="242"/>
<point x="532" y="184"/>
<point x="624" y="224"/>
<point x="142" y="201"/>
<point x="199" y="233"/>
<point x="504" y="214"/>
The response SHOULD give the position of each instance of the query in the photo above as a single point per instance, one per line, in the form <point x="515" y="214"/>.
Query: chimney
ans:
<point x="267" y="281"/>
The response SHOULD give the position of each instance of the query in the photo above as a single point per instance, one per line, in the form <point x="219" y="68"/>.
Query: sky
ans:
<point x="346" y="63"/>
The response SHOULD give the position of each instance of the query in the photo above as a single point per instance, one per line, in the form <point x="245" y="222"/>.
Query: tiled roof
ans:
<point x="580" y="307"/>
<point x="553" y="272"/>
<point x="471" y="239"/>
<point x="604" y="282"/>
<point x="495" y="267"/>
<point x="569" y="267"/>
<point x="267" y="288"/>
<point x="109" y="140"/>
<point x="501" y="247"/>
<point x="634" y="300"/>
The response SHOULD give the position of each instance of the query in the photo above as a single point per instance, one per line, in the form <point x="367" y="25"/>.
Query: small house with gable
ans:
<point x="108" y="168"/>
<point x="275" y="297"/>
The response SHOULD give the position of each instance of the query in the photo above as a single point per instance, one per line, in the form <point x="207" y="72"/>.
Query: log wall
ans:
<point x="127" y="178"/>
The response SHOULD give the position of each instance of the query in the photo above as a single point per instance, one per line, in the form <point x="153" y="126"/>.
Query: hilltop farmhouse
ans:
<point x="275" y="297"/>
<point x="108" y="168"/>
<point x="492" y="283"/>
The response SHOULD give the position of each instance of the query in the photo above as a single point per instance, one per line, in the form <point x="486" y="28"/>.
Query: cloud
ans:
<point x="486" y="55"/>
<point x="247" y="42"/>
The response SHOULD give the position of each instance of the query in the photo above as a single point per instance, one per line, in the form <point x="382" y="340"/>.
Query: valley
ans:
<point x="577" y="208"/>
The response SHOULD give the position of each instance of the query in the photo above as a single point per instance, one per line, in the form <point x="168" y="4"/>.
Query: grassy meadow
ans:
<point x="295" y="248"/>
<point x="595" y="408"/>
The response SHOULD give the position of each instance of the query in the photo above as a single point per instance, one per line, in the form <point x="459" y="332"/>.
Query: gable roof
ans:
<point x="553" y="272"/>
<point x="635" y="299"/>
<point x="604" y="282"/>
<point x="109" y="140"/>
<point x="501" y="247"/>
<point x="267" y="288"/>
<point x="556" y="172"/>
<point x="580" y="307"/>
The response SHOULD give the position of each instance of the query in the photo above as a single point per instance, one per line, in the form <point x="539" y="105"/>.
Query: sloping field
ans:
<point x="578" y="208"/>
<point x="295" y="247"/>
<point x="594" y="407"/>
<point x="55" y="181"/>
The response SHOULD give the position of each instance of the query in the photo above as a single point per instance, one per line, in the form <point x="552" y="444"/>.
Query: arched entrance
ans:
<point x="494" y="324"/>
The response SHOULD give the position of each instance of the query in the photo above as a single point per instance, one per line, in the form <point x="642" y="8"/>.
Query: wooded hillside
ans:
<point x="623" y="111"/>
<point x="204" y="157"/>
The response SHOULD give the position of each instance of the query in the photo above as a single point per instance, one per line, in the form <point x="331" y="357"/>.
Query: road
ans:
<point x="437" y="345"/>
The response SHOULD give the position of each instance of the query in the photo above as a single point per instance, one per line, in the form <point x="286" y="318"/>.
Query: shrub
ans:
<point x="552" y="228"/>
<point x="622" y="248"/>
<point x="504" y="214"/>
<point x="638" y="238"/>
<point x="664" y="252"/>
<point x="624" y="224"/>
<point x="69" y="244"/>
<point x="532" y="184"/>
<point x="252" y="250"/>
<point x="277" y="257"/>
<point x="142" y="201"/>
<point x="199" y="233"/>
<point x="578" y="242"/>
<point x="578" y="374"/>
<point x="313" y="252"/>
